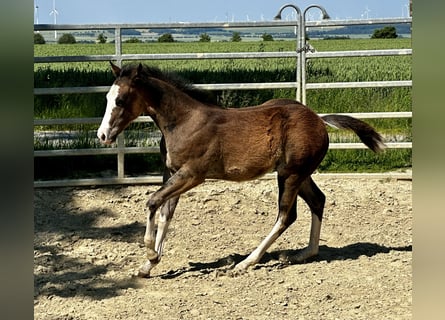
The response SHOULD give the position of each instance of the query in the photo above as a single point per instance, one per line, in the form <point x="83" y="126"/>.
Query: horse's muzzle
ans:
<point x="105" y="138"/>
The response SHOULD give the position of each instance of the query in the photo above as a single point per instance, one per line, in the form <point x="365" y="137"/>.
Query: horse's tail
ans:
<point x="365" y="132"/>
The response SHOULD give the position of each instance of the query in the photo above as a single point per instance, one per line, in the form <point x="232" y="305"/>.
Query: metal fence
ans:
<point x="121" y="150"/>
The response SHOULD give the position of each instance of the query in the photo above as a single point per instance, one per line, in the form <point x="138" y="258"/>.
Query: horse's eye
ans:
<point x="119" y="102"/>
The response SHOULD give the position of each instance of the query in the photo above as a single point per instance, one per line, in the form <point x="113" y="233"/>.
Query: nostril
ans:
<point x="101" y="136"/>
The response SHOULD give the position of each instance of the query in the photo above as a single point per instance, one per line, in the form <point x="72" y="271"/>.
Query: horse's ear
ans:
<point x="116" y="70"/>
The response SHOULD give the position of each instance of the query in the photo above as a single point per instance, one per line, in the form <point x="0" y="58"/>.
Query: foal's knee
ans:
<point x="153" y="203"/>
<point x="151" y="207"/>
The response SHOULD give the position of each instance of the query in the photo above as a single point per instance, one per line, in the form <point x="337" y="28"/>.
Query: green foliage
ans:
<point x="236" y="37"/>
<point x="133" y="40"/>
<point x="385" y="33"/>
<point x="267" y="37"/>
<point x="38" y="38"/>
<point x="67" y="38"/>
<point x="204" y="37"/>
<point x="365" y="160"/>
<point x="101" y="38"/>
<point x="166" y="37"/>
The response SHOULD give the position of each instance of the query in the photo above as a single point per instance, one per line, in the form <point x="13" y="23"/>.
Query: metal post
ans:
<point x="120" y="155"/>
<point x="304" y="48"/>
<point x="303" y="60"/>
<point x="118" y="46"/>
<point x="299" y="74"/>
<point x="120" y="141"/>
<point x="299" y="41"/>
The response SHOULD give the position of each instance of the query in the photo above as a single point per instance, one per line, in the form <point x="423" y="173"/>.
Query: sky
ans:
<point x="165" y="11"/>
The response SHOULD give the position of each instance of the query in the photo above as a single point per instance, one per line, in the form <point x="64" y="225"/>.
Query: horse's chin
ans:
<point x="109" y="142"/>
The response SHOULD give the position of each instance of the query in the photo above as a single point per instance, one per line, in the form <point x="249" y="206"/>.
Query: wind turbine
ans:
<point x="36" y="12"/>
<point x="407" y="10"/>
<point x="54" y="12"/>
<point x="366" y="12"/>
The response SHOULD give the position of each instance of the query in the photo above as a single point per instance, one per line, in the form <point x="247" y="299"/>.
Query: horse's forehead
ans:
<point x="114" y="91"/>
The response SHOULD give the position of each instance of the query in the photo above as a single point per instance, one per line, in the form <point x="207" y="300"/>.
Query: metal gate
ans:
<point x="300" y="84"/>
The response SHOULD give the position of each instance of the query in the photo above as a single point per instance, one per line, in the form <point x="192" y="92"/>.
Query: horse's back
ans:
<point x="288" y="116"/>
<point x="280" y="134"/>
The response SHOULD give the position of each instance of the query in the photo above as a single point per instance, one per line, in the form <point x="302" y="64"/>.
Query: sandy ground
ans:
<point x="89" y="242"/>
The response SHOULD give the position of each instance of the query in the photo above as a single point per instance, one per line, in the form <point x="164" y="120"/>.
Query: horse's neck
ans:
<point x="173" y="108"/>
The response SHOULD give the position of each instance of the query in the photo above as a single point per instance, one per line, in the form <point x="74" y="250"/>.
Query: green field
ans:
<point x="246" y="70"/>
<point x="320" y="70"/>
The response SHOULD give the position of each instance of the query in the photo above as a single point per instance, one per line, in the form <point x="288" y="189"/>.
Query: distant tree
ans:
<point x="166" y="37"/>
<point x="101" y="38"/>
<point x="133" y="40"/>
<point x="67" y="38"/>
<point x="204" y="37"/>
<point x="267" y="37"/>
<point x="236" y="37"/>
<point x="38" y="39"/>
<point x="385" y="33"/>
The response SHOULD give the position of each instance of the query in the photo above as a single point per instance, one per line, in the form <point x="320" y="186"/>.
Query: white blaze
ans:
<point x="104" y="129"/>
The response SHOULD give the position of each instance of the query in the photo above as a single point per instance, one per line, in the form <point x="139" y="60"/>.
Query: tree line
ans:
<point x="388" y="32"/>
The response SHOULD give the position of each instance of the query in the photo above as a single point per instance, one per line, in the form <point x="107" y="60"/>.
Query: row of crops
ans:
<point x="237" y="71"/>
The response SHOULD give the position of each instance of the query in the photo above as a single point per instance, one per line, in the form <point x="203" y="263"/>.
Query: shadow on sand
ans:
<point x="57" y="227"/>
<point x="271" y="260"/>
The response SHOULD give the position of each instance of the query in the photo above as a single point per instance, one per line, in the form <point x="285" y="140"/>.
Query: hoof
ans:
<point x="239" y="269"/>
<point x="302" y="258"/>
<point x="142" y="274"/>
<point x="144" y="270"/>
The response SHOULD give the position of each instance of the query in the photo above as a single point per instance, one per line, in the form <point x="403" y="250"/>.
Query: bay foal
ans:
<point x="203" y="141"/>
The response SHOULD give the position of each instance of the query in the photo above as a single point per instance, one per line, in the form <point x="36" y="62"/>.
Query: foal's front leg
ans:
<point x="154" y="240"/>
<point x="166" y="214"/>
<point x="167" y="196"/>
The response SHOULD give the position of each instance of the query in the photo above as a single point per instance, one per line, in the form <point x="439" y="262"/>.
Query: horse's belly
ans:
<point x="237" y="173"/>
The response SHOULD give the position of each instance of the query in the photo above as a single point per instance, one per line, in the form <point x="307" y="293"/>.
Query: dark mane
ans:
<point x="204" y="96"/>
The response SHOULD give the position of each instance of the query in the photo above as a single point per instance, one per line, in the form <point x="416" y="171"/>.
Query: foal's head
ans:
<point x="137" y="90"/>
<point x="124" y="103"/>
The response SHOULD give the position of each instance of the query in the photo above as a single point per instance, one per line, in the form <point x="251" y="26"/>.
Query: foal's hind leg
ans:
<point x="287" y="214"/>
<point x="315" y="199"/>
